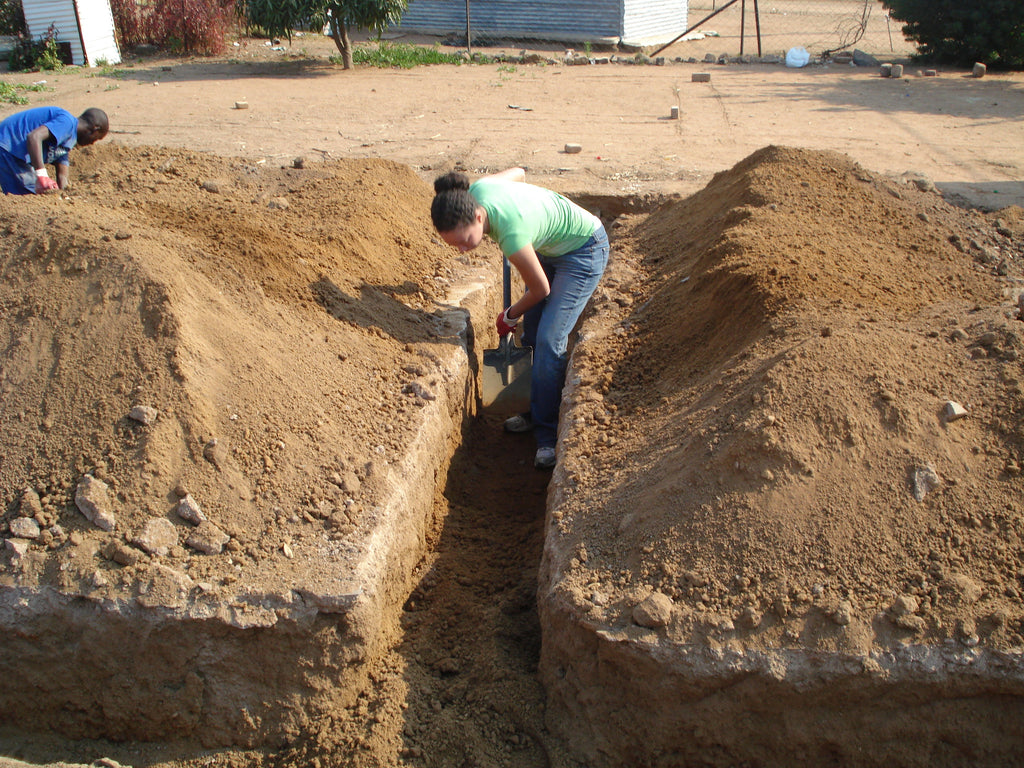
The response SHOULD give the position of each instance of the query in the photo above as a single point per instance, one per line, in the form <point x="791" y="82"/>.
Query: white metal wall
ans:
<point x="653" y="21"/>
<point x="87" y="25"/>
<point x="568" y="20"/>
<point x="96" y="22"/>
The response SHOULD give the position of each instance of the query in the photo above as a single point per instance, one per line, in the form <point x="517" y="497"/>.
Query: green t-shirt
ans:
<point x="521" y="214"/>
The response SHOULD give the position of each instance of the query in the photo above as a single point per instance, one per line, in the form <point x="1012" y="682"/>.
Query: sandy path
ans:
<point x="965" y="134"/>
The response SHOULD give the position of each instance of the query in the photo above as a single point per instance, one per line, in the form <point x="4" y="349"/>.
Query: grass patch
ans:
<point x="14" y="94"/>
<point x="103" y="69"/>
<point x="403" y="55"/>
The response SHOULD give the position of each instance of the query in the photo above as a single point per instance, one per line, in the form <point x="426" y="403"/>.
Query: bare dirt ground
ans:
<point x="877" y="300"/>
<point x="962" y="133"/>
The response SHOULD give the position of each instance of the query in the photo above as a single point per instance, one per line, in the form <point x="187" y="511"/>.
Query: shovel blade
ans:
<point x="505" y="377"/>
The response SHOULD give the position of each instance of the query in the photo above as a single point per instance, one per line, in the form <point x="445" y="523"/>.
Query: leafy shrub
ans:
<point x="181" y="26"/>
<point x="12" y="17"/>
<point x="23" y="54"/>
<point x="29" y="55"/>
<point x="14" y="94"/>
<point x="959" y="32"/>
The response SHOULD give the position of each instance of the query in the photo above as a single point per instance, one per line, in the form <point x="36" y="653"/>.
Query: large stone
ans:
<point x="157" y="536"/>
<point x="653" y="611"/>
<point x="24" y="528"/>
<point x="208" y="539"/>
<point x="93" y="501"/>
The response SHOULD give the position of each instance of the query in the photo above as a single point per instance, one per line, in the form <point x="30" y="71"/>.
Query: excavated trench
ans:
<point x="450" y="629"/>
<point x="421" y="646"/>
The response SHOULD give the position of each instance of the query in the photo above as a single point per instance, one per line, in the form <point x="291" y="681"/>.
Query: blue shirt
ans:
<point x="62" y="125"/>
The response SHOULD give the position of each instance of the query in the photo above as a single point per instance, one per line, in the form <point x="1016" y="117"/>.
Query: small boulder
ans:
<point x="25" y="528"/>
<point x="654" y="611"/>
<point x="188" y="509"/>
<point x="17" y="547"/>
<point x="208" y="539"/>
<point x="923" y="480"/>
<point x="215" y="452"/>
<point x="904" y="605"/>
<point x="144" y="414"/>
<point x="862" y="59"/>
<point x="952" y="411"/>
<point x="93" y="501"/>
<point x="157" y="536"/>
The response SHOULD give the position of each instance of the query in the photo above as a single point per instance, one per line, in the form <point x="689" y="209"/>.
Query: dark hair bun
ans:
<point x="451" y="180"/>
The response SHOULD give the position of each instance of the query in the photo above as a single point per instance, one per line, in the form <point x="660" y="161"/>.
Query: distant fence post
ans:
<point x="469" y="38"/>
<point x="743" y="23"/>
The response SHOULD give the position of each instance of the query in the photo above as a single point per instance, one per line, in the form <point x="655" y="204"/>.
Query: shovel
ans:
<point x="505" y="378"/>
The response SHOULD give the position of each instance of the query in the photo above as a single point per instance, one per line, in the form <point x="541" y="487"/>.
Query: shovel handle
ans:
<point x="506" y="283"/>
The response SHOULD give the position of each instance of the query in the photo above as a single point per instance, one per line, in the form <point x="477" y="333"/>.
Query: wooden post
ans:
<point x="743" y="23"/>
<point x="757" y="27"/>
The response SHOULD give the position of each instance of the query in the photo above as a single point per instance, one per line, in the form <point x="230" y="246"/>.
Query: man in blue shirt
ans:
<point x="35" y="138"/>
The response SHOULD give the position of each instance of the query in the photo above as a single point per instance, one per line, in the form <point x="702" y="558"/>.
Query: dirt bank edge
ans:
<point x="247" y="669"/>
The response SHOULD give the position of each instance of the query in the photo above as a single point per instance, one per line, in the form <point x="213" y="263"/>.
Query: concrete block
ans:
<point x="862" y="59"/>
<point x="700" y="77"/>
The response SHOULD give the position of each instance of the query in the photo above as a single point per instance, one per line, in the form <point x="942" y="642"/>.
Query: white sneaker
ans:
<point x="545" y="458"/>
<point x="519" y="423"/>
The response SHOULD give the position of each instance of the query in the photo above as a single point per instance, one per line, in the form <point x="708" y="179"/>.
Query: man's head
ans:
<point x="92" y="126"/>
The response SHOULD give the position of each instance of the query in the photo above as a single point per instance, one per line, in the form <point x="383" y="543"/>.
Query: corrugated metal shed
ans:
<point x="87" y="26"/>
<point x="652" y="22"/>
<point x="649" y="21"/>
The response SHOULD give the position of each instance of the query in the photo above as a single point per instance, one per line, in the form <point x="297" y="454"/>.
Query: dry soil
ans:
<point x="766" y="374"/>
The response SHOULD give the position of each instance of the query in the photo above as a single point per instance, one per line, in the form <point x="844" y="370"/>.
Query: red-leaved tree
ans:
<point x="181" y="26"/>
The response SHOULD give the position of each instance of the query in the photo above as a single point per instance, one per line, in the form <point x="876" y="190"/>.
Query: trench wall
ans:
<point x="625" y="696"/>
<point x="619" y="700"/>
<point x="251" y="670"/>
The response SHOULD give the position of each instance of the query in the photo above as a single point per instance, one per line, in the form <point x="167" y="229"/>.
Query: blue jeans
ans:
<point x="18" y="177"/>
<point x="546" y="327"/>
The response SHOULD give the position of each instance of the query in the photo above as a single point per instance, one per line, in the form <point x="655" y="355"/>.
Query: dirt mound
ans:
<point x="767" y="432"/>
<point x="759" y="428"/>
<point x="278" y="322"/>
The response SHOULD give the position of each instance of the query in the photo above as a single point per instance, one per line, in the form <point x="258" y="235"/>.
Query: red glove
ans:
<point x="44" y="183"/>
<point x="506" y="324"/>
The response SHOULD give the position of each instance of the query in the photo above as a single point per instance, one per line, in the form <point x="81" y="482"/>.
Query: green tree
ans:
<point x="12" y="17"/>
<point x="280" y="18"/>
<point x="959" y="32"/>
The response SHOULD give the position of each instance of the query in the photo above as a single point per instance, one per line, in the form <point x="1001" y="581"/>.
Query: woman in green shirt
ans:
<point x="559" y="249"/>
